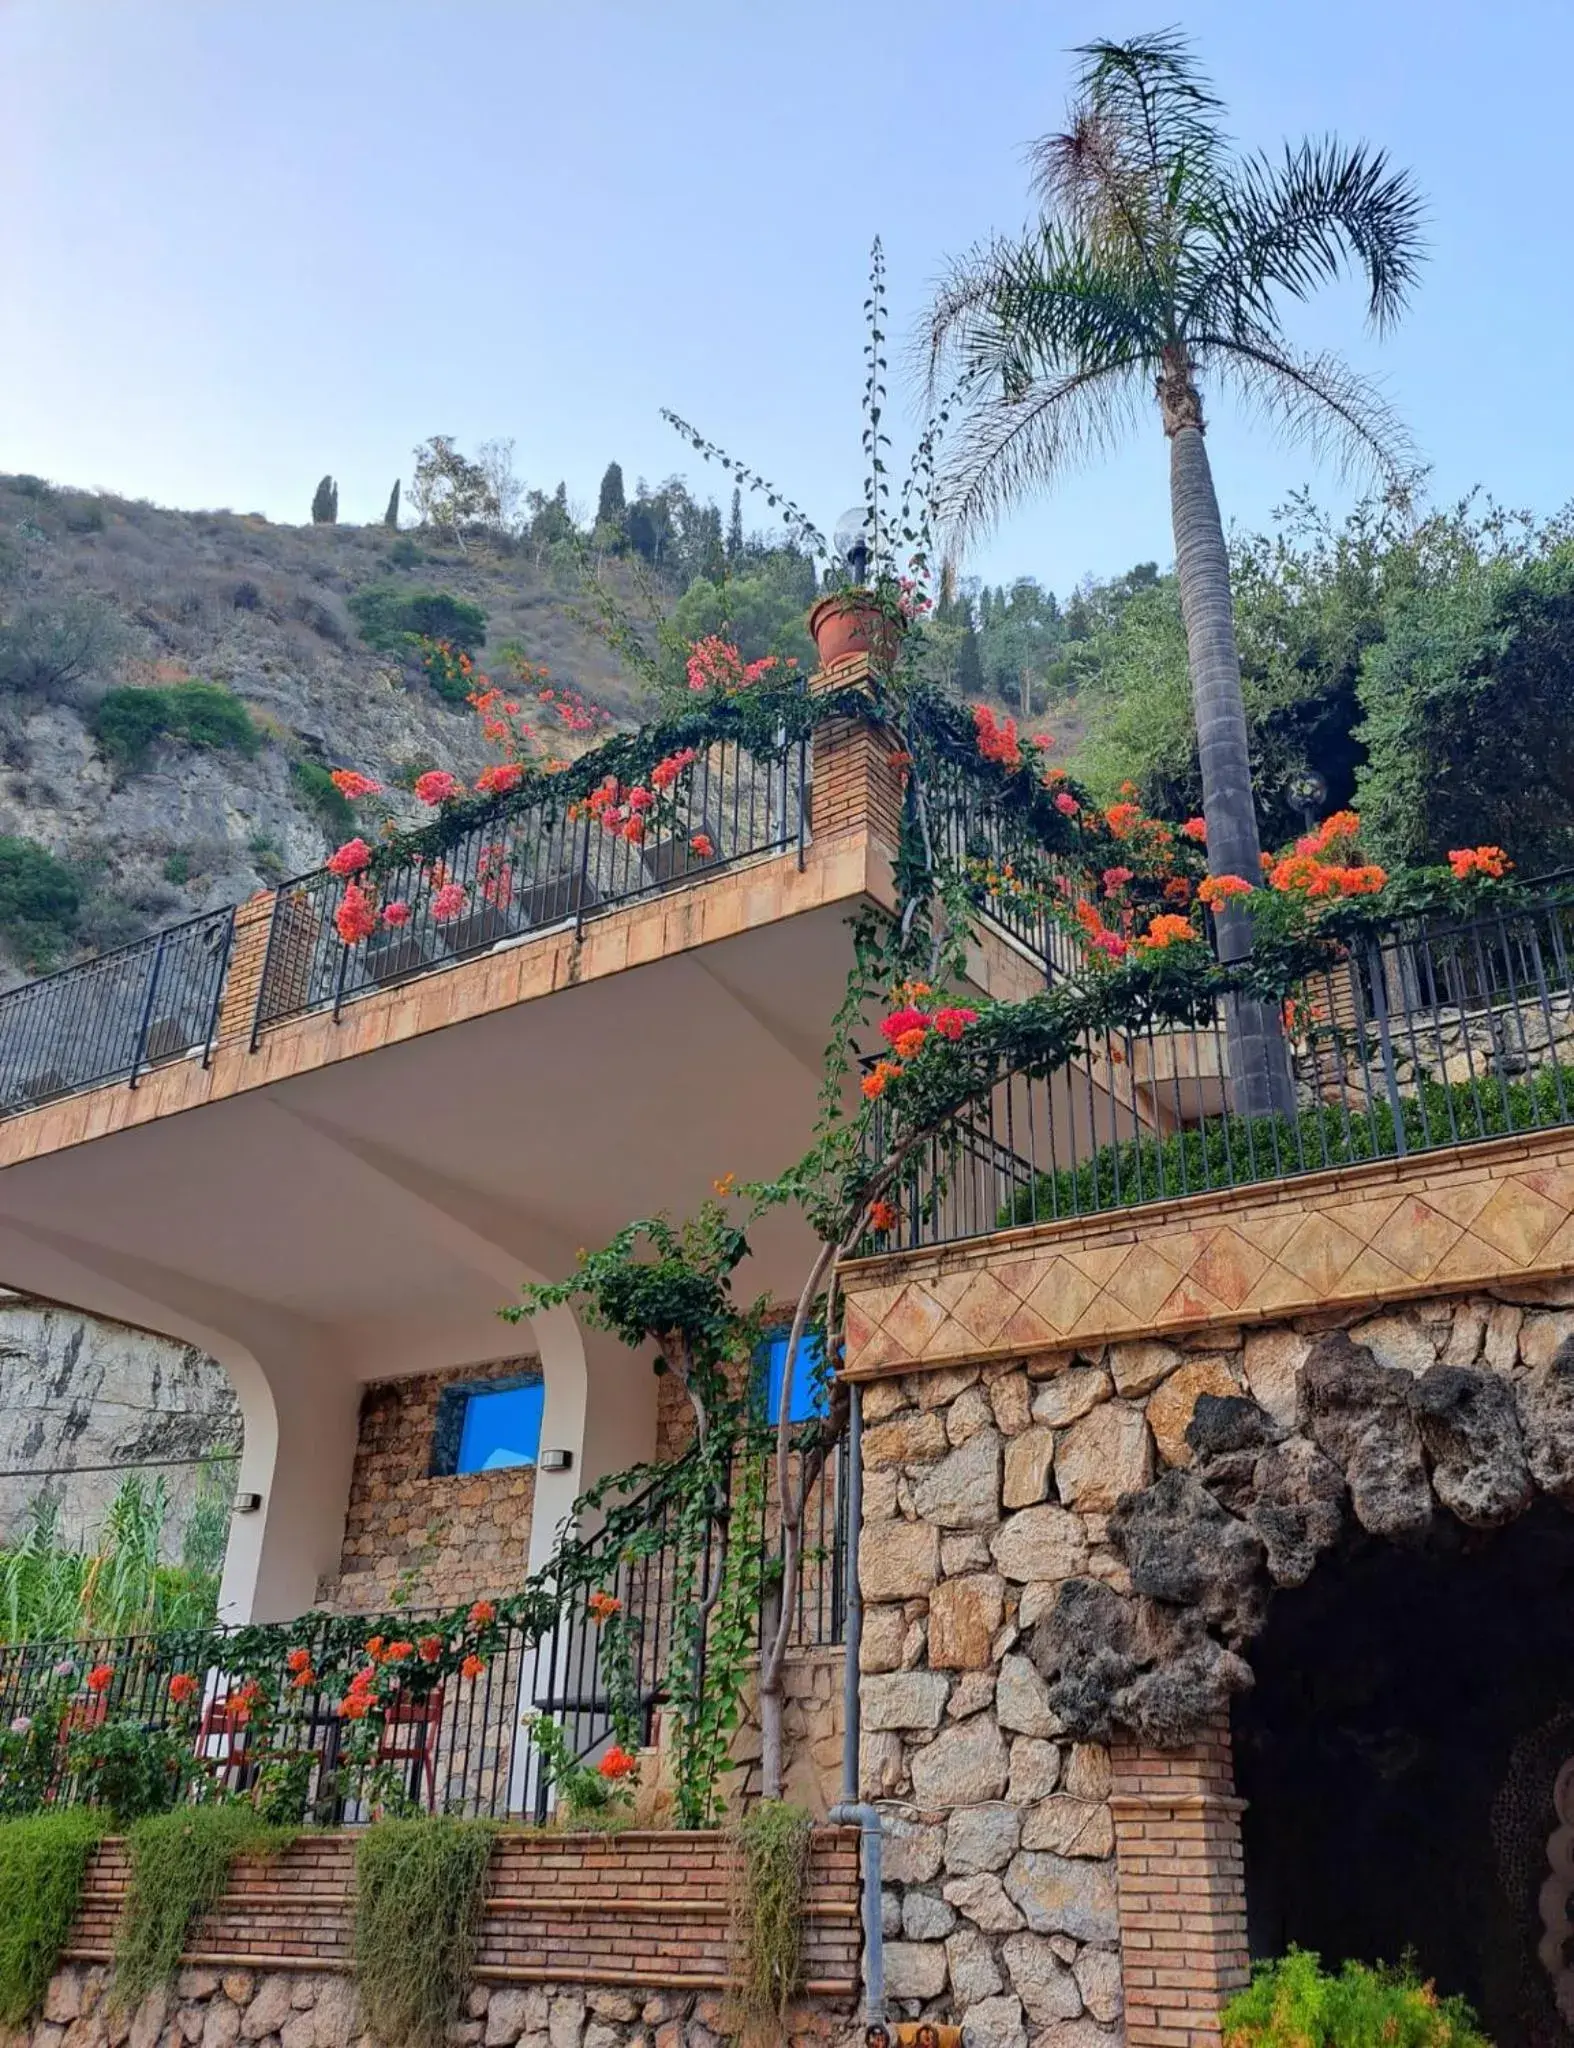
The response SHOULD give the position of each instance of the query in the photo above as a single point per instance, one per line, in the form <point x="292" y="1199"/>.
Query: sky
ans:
<point x="244" y="242"/>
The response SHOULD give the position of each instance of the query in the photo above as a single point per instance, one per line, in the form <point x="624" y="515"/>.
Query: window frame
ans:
<point x="449" y="1427"/>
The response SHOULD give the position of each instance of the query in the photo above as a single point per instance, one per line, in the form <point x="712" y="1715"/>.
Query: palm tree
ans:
<point x="1159" y="264"/>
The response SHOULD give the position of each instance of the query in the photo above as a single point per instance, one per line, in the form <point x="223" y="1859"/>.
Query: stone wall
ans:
<point x="1010" y="1507"/>
<point x="76" y="1390"/>
<point x="421" y="1540"/>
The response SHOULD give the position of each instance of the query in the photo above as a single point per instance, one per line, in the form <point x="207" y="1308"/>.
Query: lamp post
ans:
<point x="1310" y="791"/>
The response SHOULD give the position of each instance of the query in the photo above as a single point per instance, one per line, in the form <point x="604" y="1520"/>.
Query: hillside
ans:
<point x="98" y="593"/>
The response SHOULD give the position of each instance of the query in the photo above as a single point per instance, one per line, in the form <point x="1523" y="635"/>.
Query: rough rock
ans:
<point x="1273" y="1361"/>
<point x="239" y="1985"/>
<point x="1070" y="1827"/>
<point x="995" y="2023"/>
<point x="1172" y="1704"/>
<point x="148" y="2021"/>
<point x="1035" y="1768"/>
<point x="1012" y="1401"/>
<point x="1068" y="1397"/>
<point x="1170" y="1408"/>
<point x="1542" y="1337"/>
<point x="1465" y="1334"/>
<point x="1298" y="1509"/>
<point x="268" y="2010"/>
<point x="1029" y="1459"/>
<point x="963" y="1490"/>
<point x="221" y="2024"/>
<point x="907" y="1439"/>
<point x="1048" y="1990"/>
<point x="940" y="1389"/>
<point x="899" y="1562"/>
<point x="974" y="1691"/>
<point x="1500" y="1346"/>
<point x="914" y="1969"/>
<point x="566" y="2022"/>
<point x="1182" y="1548"/>
<point x="1097" y="1971"/>
<point x="1137" y="1368"/>
<point x="1082" y="2033"/>
<point x="884" y="1398"/>
<point x="890" y="1913"/>
<point x="1087" y="1650"/>
<point x="971" y="1966"/>
<point x="1022" y="1699"/>
<point x="63" y="1996"/>
<point x="926" y="1918"/>
<point x="911" y="1853"/>
<point x="1107" y="1454"/>
<point x="968" y="1414"/>
<point x="881" y="1647"/>
<point x="1062" y="1895"/>
<point x="1400" y="1341"/>
<point x="1545" y="1398"/>
<point x="963" y="1617"/>
<point x="1225" y="1423"/>
<point x="1361" y="1415"/>
<point x="904" y="1699"/>
<point x="965" y="1764"/>
<point x="194" y="1984"/>
<point x="982" y="1899"/>
<point x="963" y="1551"/>
<point x="1470" y="1429"/>
<point x="1041" y="1543"/>
<point x="981" y="1838"/>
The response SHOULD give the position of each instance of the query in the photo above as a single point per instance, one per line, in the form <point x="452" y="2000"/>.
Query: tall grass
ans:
<point x="118" y="1583"/>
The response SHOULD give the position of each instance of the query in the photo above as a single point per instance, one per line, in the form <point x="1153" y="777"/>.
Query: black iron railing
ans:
<point x="531" y="864"/>
<point x="455" y="1745"/>
<point x="1435" y="1033"/>
<point x="999" y="856"/>
<point x="112" y="1018"/>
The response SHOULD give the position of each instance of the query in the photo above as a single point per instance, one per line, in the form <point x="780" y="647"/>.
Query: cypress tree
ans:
<point x="735" y="529"/>
<point x="391" y="516"/>
<point x="969" y="674"/>
<point x="325" y="503"/>
<point x="610" y="505"/>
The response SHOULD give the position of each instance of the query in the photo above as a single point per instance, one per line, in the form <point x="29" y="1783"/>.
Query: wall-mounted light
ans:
<point x="557" y="1461"/>
<point x="247" y="1503"/>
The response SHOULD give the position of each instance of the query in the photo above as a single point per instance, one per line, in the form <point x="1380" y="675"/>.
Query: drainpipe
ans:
<point x="850" y="1811"/>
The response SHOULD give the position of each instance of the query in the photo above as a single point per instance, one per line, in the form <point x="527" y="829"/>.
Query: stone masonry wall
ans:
<point x="422" y="1540"/>
<point x="1022" y="1863"/>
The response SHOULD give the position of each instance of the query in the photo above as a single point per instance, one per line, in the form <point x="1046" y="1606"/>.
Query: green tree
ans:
<point x="1160" y="261"/>
<point x="609" y="503"/>
<point x="39" y="901"/>
<point x="388" y="616"/>
<point x="325" y="503"/>
<point x="450" y="492"/>
<point x="1469" y="726"/>
<point x="735" y="529"/>
<point x="391" y="516"/>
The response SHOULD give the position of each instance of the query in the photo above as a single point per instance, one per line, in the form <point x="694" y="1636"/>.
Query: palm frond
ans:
<point x="1317" y="399"/>
<point x="1327" y="209"/>
<point x="1008" y="444"/>
<point x="1144" y="105"/>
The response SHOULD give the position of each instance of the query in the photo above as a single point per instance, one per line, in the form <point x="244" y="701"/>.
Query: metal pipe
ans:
<point x="850" y="1811"/>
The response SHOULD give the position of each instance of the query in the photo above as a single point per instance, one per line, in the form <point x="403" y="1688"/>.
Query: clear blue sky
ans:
<point x="246" y="241"/>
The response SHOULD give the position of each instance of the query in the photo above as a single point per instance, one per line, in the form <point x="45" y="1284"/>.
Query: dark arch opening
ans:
<point x="1412" y="1708"/>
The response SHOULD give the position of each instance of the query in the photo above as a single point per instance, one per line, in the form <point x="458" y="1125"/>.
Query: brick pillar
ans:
<point x="1182" y="1889"/>
<point x="856" y="783"/>
<point x="248" y="949"/>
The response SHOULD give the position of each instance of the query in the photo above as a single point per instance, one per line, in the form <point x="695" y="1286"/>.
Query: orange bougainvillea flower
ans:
<point x="879" y="1078"/>
<point x="397" y="1652"/>
<point x="1220" y="888"/>
<point x="355" y="1706"/>
<point x="1167" y="930"/>
<point x="100" y="1677"/>
<point x="702" y="845"/>
<point x="183" y="1687"/>
<point x="351" y="783"/>
<point x="429" y="1649"/>
<point x="1123" y="819"/>
<point x="617" y="1764"/>
<point x="951" y="1023"/>
<point x="997" y="737"/>
<point x="1195" y="829"/>
<point x="356" y="917"/>
<point x="602" y="1606"/>
<point x="483" y="1612"/>
<point x="297" y="1660"/>
<point x="472" y="1667"/>
<point x="350" y="858"/>
<point x="1490" y="861"/>
<point x="883" y="1215"/>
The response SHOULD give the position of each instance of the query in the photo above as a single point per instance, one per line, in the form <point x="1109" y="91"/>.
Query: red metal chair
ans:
<point x="223" y="1736"/>
<point x="409" y="1736"/>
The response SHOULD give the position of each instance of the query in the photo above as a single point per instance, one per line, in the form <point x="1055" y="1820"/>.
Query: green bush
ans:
<point x="771" y="1843"/>
<point x="39" y="901"/>
<point x="316" y="790"/>
<point x="128" y="721"/>
<point x="180" y="1864"/>
<point x="1295" y="2003"/>
<point x="420" y="1891"/>
<point x="43" y="1860"/>
<point x="128" y="1770"/>
<point x="1234" y="1154"/>
<point x="389" y="618"/>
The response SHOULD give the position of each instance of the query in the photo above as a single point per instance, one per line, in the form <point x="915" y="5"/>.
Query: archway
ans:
<point x="1398" y="1754"/>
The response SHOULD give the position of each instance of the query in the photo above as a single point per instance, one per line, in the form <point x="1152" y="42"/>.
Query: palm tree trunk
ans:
<point x="1260" y="1080"/>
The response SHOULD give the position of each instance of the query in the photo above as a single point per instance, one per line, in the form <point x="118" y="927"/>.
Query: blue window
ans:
<point x="487" y="1427"/>
<point x="809" y="1396"/>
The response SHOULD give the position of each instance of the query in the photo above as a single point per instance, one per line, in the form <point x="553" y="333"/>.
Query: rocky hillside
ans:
<point x="100" y="594"/>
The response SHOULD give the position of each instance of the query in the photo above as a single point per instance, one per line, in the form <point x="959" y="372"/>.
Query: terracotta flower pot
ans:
<point x="850" y="622"/>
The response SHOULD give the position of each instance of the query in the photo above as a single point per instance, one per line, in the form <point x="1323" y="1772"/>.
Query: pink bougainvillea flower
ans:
<point x="702" y="845"/>
<point x="1067" y="804"/>
<point x="356" y="917"/>
<point x="396" y="913"/>
<point x="1195" y="829"/>
<point x="436" y="786"/>
<point x="350" y="858"/>
<point x="952" y="1023"/>
<point x="448" y="902"/>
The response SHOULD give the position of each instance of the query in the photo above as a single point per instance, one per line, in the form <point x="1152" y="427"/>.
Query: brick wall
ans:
<point x="633" y="1910"/>
<point x="430" y="1541"/>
